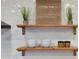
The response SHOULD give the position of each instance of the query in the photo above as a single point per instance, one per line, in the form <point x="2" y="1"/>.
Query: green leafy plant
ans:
<point x="25" y="13"/>
<point x="69" y="15"/>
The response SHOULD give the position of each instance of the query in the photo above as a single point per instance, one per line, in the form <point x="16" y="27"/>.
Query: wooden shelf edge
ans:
<point x="38" y="48"/>
<point x="24" y="49"/>
<point x="42" y="26"/>
<point x="22" y="25"/>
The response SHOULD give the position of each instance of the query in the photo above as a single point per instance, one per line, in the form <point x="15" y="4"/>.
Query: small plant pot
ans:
<point x="25" y="22"/>
<point x="70" y="22"/>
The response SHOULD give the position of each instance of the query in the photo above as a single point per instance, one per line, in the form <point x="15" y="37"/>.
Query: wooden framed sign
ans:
<point x="48" y="12"/>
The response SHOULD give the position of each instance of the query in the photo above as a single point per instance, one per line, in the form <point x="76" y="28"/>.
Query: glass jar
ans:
<point x="60" y="44"/>
<point x="67" y="44"/>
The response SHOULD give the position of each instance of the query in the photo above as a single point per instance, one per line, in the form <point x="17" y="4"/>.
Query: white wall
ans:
<point x="5" y="41"/>
<point x="12" y="16"/>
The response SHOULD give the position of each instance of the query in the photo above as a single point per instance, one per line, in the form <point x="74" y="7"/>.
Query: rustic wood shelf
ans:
<point x="24" y="49"/>
<point x="42" y="26"/>
<point x="21" y="25"/>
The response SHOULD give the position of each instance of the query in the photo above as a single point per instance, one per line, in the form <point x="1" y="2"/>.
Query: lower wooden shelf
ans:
<point x="24" y="49"/>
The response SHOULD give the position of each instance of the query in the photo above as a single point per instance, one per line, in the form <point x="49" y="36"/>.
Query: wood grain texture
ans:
<point x="48" y="11"/>
<point x="40" y="48"/>
<point x="24" y="49"/>
<point x="22" y="25"/>
<point x="45" y="26"/>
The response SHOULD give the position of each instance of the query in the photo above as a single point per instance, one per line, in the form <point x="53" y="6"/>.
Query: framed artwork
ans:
<point x="48" y="12"/>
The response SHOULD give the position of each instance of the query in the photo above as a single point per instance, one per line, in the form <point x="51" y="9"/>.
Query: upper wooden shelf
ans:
<point x="43" y="26"/>
<point x="22" y="26"/>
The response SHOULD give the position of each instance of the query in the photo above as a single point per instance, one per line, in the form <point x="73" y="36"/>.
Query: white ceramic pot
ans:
<point x="25" y="22"/>
<point x="45" y="43"/>
<point x="31" y="43"/>
<point x="38" y="43"/>
<point x="52" y="44"/>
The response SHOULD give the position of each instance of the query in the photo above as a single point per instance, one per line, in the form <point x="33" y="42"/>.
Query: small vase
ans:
<point x="25" y="22"/>
<point x="70" y="22"/>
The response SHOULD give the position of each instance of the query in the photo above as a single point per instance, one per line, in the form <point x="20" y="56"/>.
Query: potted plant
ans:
<point x="69" y="15"/>
<point x="25" y="14"/>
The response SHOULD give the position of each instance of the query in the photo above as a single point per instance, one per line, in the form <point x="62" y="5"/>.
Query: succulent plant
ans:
<point x="69" y="15"/>
<point x="25" y="13"/>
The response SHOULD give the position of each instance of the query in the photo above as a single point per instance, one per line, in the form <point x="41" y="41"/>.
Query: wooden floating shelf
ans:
<point x="42" y="26"/>
<point x="24" y="49"/>
<point x="21" y="25"/>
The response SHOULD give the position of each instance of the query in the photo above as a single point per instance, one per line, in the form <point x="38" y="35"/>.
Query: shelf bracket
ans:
<point x="23" y="30"/>
<point x="74" y="30"/>
<point x="74" y="52"/>
<point x="23" y="53"/>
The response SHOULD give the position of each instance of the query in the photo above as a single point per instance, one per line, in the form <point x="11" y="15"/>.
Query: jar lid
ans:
<point x="67" y="41"/>
<point x="60" y="41"/>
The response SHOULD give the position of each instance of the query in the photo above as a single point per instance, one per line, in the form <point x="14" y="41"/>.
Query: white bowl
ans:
<point x="31" y="43"/>
<point x="45" y="43"/>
